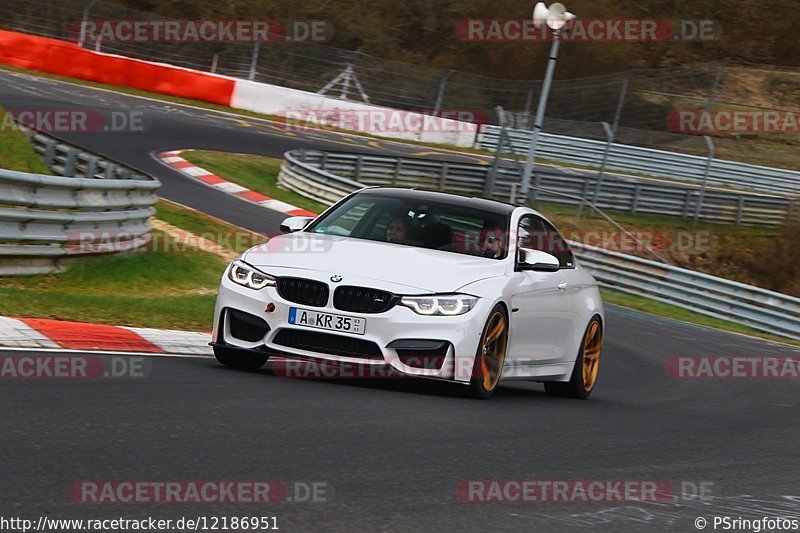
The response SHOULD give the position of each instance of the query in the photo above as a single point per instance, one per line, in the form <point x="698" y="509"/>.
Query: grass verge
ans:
<point x="257" y="173"/>
<point x="211" y="228"/>
<point x="148" y="288"/>
<point x="16" y="150"/>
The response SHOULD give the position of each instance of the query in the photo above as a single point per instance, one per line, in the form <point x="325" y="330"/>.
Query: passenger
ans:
<point x="397" y="230"/>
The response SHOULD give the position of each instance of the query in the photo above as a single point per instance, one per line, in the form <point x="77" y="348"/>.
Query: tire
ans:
<point x="491" y="355"/>
<point x="240" y="359"/>
<point x="587" y="365"/>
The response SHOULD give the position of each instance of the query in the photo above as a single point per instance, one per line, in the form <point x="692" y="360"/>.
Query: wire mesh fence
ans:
<point x="640" y="103"/>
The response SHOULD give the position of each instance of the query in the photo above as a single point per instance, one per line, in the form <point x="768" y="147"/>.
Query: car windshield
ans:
<point x="413" y="222"/>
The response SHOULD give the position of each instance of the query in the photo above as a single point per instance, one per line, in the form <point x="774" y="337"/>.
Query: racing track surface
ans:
<point x="392" y="452"/>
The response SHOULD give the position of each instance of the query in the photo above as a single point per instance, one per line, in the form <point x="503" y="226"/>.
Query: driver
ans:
<point x="492" y="245"/>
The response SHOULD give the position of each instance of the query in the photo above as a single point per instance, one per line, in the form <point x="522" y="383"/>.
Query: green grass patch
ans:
<point x="149" y="288"/>
<point x="225" y="234"/>
<point x="16" y="150"/>
<point x="257" y="173"/>
<point x="684" y="315"/>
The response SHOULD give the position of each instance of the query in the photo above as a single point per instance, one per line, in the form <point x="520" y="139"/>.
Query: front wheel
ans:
<point x="491" y="356"/>
<point x="240" y="359"/>
<point x="584" y="374"/>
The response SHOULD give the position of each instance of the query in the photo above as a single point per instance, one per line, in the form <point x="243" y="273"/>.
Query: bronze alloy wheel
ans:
<point x="587" y="365"/>
<point x="491" y="354"/>
<point x="591" y="355"/>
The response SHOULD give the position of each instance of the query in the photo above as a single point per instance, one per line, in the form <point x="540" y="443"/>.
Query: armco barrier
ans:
<point x="94" y="207"/>
<point x="671" y="165"/>
<point x="328" y="174"/>
<point x="760" y="309"/>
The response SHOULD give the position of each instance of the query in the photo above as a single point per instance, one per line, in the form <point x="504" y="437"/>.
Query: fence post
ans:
<point x="528" y="104"/>
<point x="440" y="94"/>
<point x="610" y="133"/>
<point x="84" y="20"/>
<point x="701" y="197"/>
<point x="623" y="92"/>
<point x="254" y="61"/>
<point x="712" y="93"/>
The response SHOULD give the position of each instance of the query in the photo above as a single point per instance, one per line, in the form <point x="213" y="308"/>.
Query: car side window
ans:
<point x="529" y="234"/>
<point x="537" y="234"/>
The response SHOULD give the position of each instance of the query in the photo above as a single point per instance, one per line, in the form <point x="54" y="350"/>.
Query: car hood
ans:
<point x="419" y="268"/>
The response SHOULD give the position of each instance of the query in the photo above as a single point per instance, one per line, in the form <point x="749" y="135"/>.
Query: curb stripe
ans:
<point x="17" y="334"/>
<point x="174" y="160"/>
<point x="82" y="336"/>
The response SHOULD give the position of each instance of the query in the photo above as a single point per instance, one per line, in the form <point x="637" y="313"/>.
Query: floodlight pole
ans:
<point x="527" y="172"/>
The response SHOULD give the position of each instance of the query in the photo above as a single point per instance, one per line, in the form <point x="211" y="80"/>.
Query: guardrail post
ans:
<point x="443" y="176"/>
<point x="687" y="203"/>
<point x="359" y="164"/>
<point x="739" y="210"/>
<point x="323" y="160"/>
<point x="70" y="162"/>
<point x="637" y="192"/>
<point x="397" y="168"/>
<point x="49" y="152"/>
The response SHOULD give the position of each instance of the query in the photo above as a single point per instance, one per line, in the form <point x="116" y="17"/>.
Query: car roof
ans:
<point x="430" y="196"/>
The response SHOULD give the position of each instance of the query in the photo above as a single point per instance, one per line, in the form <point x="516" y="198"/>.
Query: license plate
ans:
<point x="315" y="319"/>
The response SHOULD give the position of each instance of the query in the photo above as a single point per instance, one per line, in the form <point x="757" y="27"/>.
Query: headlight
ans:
<point x="247" y="276"/>
<point x="440" y="304"/>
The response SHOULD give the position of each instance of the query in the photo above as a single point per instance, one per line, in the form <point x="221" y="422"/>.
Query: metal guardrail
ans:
<point x="347" y="172"/>
<point x="639" y="160"/>
<point x="94" y="206"/>
<point x="760" y="309"/>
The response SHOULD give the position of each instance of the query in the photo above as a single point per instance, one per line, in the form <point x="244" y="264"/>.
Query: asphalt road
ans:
<point x="167" y="126"/>
<point x="391" y="453"/>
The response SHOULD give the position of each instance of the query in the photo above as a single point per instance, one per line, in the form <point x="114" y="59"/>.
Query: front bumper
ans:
<point x="398" y="334"/>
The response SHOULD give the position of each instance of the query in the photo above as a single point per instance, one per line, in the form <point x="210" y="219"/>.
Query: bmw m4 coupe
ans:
<point x="428" y="284"/>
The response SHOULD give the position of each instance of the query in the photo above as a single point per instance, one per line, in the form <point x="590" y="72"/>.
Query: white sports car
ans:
<point x="426" y="284"/>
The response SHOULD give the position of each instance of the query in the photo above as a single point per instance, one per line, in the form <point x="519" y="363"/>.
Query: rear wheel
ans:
<point x="587" y="365"/>
<point x="491" y="356"/>
<point x="240" y="359"/>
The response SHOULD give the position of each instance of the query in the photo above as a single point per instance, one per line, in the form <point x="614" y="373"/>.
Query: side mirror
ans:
<point x="293" y="224"/>
<point x="537" y="261"/>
